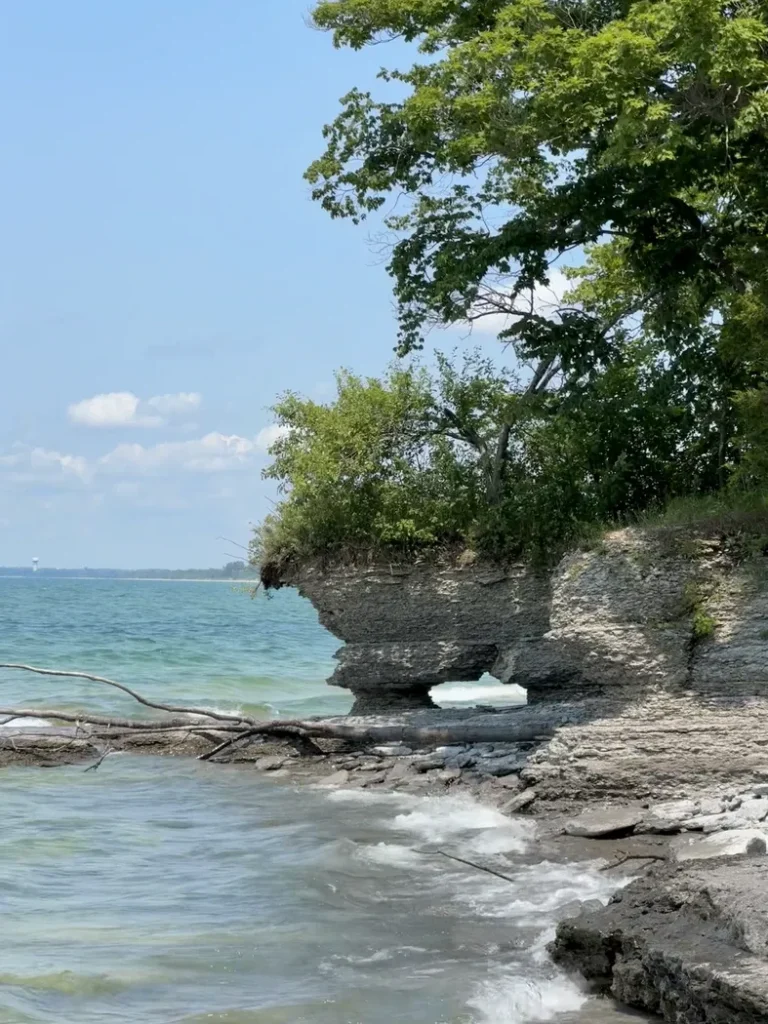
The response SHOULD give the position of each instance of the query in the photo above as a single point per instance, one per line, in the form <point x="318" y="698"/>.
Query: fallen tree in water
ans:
<point x="227" y="732"/>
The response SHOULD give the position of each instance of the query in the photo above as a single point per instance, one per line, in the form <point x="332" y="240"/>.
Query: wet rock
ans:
<point x="400" y="770"/>
<point x="393" y="750"/>
<point x="510" y="782"/>
<point x="605" y="822"/>
<point x="668" y="818"/>
<point x="451" y="752"/>
<point x="270" y="764"/>
<point x="466" y="760"/>
<point x="519" y="802"/>
<point x="501" y="750"/>
<point x="501" y="765"/>
<point x="686" y="942"/>
<point x="427" y="763"/>
<point x="735" y="843"/>
<point x="340" y="778"/>
<point x="373" y="779"/>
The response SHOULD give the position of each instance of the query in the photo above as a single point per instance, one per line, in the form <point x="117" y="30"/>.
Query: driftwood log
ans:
<point x="228" y="731"/>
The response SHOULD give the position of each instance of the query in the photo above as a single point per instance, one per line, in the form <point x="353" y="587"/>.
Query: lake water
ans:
<point x="160" y="891"/>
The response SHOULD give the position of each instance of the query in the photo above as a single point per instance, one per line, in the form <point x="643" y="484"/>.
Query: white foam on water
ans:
<point x="369" y="796"/>
<point x="505" y="839"/>
<point x="542" y="890"/>
<point x="437" y="819"/>
<point x="393" y="855"/>
<point x="25" y="723"/>
<point x="517" y="1000"/>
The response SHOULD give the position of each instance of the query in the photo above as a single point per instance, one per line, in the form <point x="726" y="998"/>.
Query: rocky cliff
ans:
<point x="643" y="613"/>
<point x="408" y="628"/>
<point x="655" y="641"/>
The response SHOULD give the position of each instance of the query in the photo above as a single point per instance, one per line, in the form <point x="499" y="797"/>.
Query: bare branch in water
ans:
<point x="131" y="693"/>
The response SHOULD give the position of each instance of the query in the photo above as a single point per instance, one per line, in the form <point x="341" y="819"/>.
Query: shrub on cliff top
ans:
<point x="470" y="456"/>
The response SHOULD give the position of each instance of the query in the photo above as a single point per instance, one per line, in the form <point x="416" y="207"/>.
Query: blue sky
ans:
<point x="159" y="247"/>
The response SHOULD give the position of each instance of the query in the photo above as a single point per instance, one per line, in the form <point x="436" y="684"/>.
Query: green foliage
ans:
<point x="703" y="624"/>
<point x="628" y="139"/>
<point x="635" y="133"/>
<point x="470" y="456"/>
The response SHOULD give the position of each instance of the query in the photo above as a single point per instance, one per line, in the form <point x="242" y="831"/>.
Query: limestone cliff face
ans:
<point x="643" y="614"/>
<point x="407" y="628"/>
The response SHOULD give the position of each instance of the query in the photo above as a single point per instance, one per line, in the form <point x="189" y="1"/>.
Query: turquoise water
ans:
<point x="169" y="890"/>
<point x="208" y="643"/>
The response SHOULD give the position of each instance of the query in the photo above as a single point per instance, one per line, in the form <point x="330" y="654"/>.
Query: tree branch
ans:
<point x="131" y="693"/>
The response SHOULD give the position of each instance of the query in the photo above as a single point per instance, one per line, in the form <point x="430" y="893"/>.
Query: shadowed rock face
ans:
<point x="688" y="944"/>
<point x="643" y="615"/>
<point x="409" y="628"/>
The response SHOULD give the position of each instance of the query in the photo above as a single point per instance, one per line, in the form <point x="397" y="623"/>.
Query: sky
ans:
<point x="164" y="274"/>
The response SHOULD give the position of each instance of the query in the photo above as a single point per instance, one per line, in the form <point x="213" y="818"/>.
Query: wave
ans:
<point x="515" y="1000"/>
<point x="440" y="818"/>
<point x="25" y="723"/>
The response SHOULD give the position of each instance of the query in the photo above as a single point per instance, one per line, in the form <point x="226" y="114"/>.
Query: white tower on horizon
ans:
<point x="35" y="564"/>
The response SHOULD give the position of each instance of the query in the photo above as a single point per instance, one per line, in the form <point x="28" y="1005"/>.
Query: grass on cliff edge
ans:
<point x="723" y="513"/>
<point x="739" y="518"/>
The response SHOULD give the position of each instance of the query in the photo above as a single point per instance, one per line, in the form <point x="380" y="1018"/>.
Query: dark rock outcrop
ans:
<point x="686" y="943"/>
<point x="409" y="628"/>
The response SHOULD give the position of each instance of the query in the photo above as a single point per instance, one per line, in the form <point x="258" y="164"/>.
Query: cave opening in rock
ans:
<point x="486" y="690"/>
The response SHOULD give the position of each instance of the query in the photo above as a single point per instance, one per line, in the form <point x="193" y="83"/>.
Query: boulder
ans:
<point x="735" y="843"/>
<point x="270" y="764"/>
<point x="605" y="822"/>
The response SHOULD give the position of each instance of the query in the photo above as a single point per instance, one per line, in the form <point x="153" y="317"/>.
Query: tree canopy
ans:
<point x="624" y="140"/>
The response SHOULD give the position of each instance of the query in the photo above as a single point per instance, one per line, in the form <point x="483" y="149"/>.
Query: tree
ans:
<point x="532" y="131"/>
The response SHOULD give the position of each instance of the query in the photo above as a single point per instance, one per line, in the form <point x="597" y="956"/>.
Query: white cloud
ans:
<point x="28" y="464"/>
<point x="267" y="436"/>
<point x="124" y="409"/>
<point x="176" y="405"/>
<point x="210" y="454"/>
<point x="544" y="300"/>
<point x="213" y="453"/>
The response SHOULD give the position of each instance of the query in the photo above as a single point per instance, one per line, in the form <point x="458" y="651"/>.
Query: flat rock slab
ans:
<point x="736" y="843"/>
<point x="605" y="822"/>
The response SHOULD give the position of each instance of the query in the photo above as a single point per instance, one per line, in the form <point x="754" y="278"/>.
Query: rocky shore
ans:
<point x="687" y="939"/>
<point x="645" y="661"/>
<point x="644" y="742"/>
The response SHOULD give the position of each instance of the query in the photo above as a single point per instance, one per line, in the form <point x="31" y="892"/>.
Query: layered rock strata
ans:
<point x="687" y="943"/>
<point x="409" y="628"/>
<point x="643" y="615"/>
